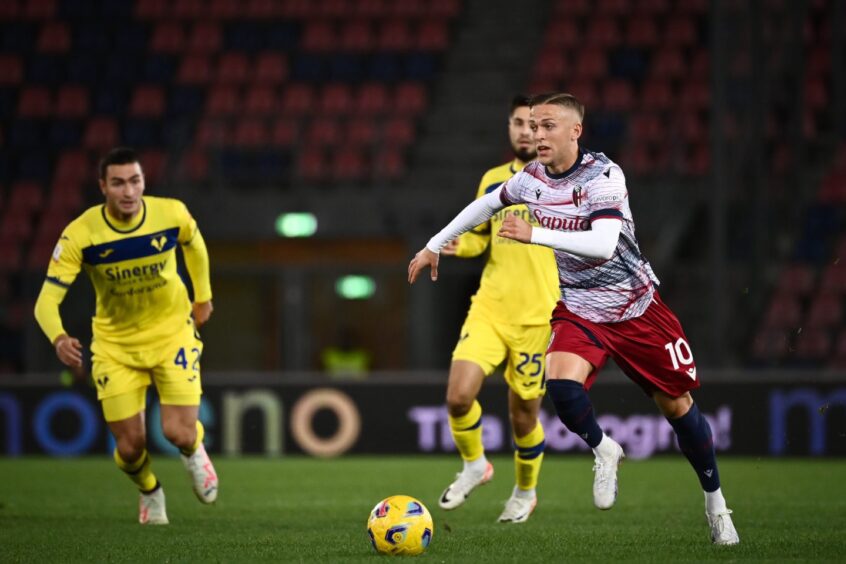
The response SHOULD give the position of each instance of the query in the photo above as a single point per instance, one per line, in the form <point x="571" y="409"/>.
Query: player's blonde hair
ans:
<point x="560" y="99"/>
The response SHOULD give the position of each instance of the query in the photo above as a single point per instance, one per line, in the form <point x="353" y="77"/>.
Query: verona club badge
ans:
<point x="577" y="196"/>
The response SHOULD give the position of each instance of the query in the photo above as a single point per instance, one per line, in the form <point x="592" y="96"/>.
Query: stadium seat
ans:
<point x="189" y="9"/>
<point x="826" y="311"/>
<point x="35" y="102"/>
<point x="432" y="35"/>
<point x="260" y="101"/>
<point x="360" y="131"/>
<point x="211" y="133"/>
<point x="348" y="164"/>
<point x="590" y="65"/>
<point x="11" y="69"/>
<point x="695" y="95"/>
<point x="54" y="37"/>
<point x="613" y="8"/>
<point x="270" y="69"/>
<point x="797" y="279"/>
<point x="371" y="98"/>
<point x="148" y="101"/>
<point x="319" y="37"/>
<point x="813" y="344"/>
<point x="636" y="158"/>
<point x="668" y="63"/>
<point x="285" y="133"/>
<point x="323" y="131"/>
<point x="311" y="165"/>
<point x="223" y="101"/>
<point x="771" y="345"/>
<point x="231" y="9"/>
<point x="151" y="9"/>
<point x="410" y="98"/>
<point x="101" y="134"/>
<point x="72" y="101"/>
<point x="395" y="36"/>
<point x="250" y="134"/>
<point x="154" y="161"/>
<point x="205" y="37"/>
<point x="692" y="128"/>
<point x="550" y="65"/>
<point x="562" y="33"/>
<point x="444" y="8"/>
<point x="297" y="99"/>
<point x="409" y="9"/>
<point x="784" y="312"/>
<point x="167" y="37"/>
<point x="194" y="166"/>
<point x="24" y="198"/>
<point x="398" y="132"/>
<point x="834" y="276"/>
<point x="335" y="99"/>
<point x="646" y="128"/>
<point x="194" y="69"/>
<point x="389" y="164"/>
<point x="642" y="31"/>
<point x="602" y="33"/>
<point x="233" y="68"/>
<point x="680" y="31"/>
<point x="74" y="166"/>
<point x="618" y="95"/>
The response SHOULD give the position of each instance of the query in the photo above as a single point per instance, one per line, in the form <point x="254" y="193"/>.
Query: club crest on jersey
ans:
<point x="158" y="242"/>
<point x="577" y="196"/>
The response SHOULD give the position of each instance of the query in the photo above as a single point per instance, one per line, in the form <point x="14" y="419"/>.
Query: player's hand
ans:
<point x="517" y="228"/>
<point x="420" y="261"/>
<point x="202" y="312"/>
<point x="69" y="351"/>
<point x="450" y="249"/>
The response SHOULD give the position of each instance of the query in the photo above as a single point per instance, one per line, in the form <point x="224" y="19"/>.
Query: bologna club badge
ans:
<point x="577" y="196"/>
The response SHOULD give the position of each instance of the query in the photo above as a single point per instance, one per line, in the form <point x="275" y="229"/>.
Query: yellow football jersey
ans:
<point x="141" y="299"/>
<point x="519" y="283"/>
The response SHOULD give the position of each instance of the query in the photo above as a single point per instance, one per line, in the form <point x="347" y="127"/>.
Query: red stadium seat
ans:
<point x="147" y="101"/>
<point x="168" y="37"/>
<point x="55" y="37"/>
<point x="312" y="165"/>
<point x="680" y="31"/>
<point x="697" y="160"/>
<point x="9" y="10"/>
<point x="66" y="197"/>
<point x="223" y="101"/>
<point x="212" y="133"/>
<point x="189" y="9"/>
<point x="618" y="95"/>
<point x="642" y="31"/>
<point x="194" y="166"/>
<point x="261" y="101"/>
<point x="319" y="36"/>
<point x="410" y="98"/>
<point x="826" y="311"/>
<point x="233" y="68"/>
<point x="657" y="94"/>
<point x="259" y="9"/>
<point x="816" y="93"/>
<point x="205" y="37"/>
<point x="563" y="34"/>
<point x="75" y="166"/>
<point x="271" y="68"/>
<point x="551" y="65"/>
<point x="432" y="35"/>
<point x="100" y="134"/>
<point x="771" y="345"/>
<point x="603" y="33"/>
<point x="389" y="164"/>
<point x="646" y="128"/>
<point x="298" y="99"/>
<point x="372" y="98"/>
<point x="285" y="133"/>
<point x="653" y="7"/>
<point x="813" y="344"/>
<point x="636" y="159"/>
<point x="11" y="69"/>
<point x="409" y="9"/>
<point x="572" y="7"/>
<point x="15" y="228"/>
<point x="613" y="7"/>
<point x="398" y="132"/>
<point x="348" y="164"/>
<point x="250" y="134"/>
<point x="35" y="102"/>
<point x="10" y="256"/>
<point x="360" y="131"/>
<point x="72" y="101"/>
<point x="834" y="276"/>
<point x="335" y="99"/>
<point x="25" y="197"/>
<point x="322" y="132"/>
<point x="154" y="162"/>
<point x="797" y="279"/>
<point x="693" y="7"/>
<point x="582" y="88"/>
<point x="194" y="69"/>
<point x="151" y="9"/>
<point x="444" y="8"/>
<point x="357" y="36"/>
<point x="784" y="312"/>
<point x="230" y="10"/>
<point x="695" y="95"/>
<point x="337" y="9"/>
<point x="591" y="64"/>
<point x="693" y="130"/>
<point x="668" y="63"/>
<point x="394" y="35"/>
<point x="371" y="9"/>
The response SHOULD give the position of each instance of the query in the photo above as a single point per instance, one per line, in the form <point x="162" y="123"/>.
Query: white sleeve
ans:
<point x="600" y="242"/>
<point x="476" y="213"/>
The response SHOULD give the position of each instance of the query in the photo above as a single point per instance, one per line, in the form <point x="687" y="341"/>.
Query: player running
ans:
<point x="609" y="305"/>
<point x="142" y="329"/>
<point x="508" y="320"/>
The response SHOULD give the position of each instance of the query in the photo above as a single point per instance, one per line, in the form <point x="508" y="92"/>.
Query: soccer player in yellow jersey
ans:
<point x="143" y="330"/>
<point x="508" y="321"/>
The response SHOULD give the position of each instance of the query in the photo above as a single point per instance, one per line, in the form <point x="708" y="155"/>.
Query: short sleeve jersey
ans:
<point x="602" y="291"/>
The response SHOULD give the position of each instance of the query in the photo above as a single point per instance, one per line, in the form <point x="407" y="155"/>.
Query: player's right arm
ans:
<point x="477" y="212"/>
<point x="62" y="271"/>
<point x="476" y="241"/>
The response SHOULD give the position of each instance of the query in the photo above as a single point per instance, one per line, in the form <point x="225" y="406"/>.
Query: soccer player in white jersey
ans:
<point x="609" y="305"/>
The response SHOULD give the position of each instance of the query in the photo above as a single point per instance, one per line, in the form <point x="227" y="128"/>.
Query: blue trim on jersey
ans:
<point x="493" y="187"/>
<point x="140" y="223"/>
<point x="599" y="214"/>
<point x="584" y="329"/>
<point x="131" y="248"/>
<point x="57" y="282"/>
<point x="530" y="453"/>
<point x="570" y="170"/>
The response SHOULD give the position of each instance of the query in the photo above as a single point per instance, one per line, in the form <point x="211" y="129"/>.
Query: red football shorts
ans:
<point x="651" y="349"/>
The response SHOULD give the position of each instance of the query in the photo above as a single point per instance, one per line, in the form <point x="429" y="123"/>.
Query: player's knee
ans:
<point x="178" y="433"/>
<point x="130" y="446"/>
<point x="523" y="423"/>
<point x="459" y="404"/>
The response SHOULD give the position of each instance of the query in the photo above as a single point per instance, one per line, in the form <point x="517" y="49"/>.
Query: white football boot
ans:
<point x="465" y="482"/>
<point x="151" y="507"/>
<point x="199" y="466"/>
<point x="722" y="529"/>
<point x="605" y="474"/>
<point x="518" y="509"/>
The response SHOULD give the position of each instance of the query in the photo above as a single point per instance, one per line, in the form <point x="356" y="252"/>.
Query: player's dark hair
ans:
<point x="117" y="156"/>
<point x="560" y="99"/>
<point x="519" y="101"/>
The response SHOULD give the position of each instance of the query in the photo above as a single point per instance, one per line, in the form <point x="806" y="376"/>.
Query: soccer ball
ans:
<point x="400" y="524"/>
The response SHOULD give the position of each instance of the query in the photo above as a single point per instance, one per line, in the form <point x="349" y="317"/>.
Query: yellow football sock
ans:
<point x="467" y="433"/>
<point x="528" y="457"/>
<point x="140" y="471"/>
<point x="201" y="432"/>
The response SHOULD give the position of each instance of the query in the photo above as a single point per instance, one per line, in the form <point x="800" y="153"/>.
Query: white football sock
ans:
<point x="715" y="503"/>
<point x="476" y="466"/>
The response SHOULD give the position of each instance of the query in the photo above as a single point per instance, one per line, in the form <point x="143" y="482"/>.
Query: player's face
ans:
<point x="556" y="133"/>
<point x="521" y="134"/>
<point x="123" y="188"/>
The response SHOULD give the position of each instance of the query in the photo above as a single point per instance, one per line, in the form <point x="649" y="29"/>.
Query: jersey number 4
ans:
<point x="181" y="359"/>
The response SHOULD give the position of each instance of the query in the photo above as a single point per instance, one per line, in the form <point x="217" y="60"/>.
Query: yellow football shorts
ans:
<point x="122" y="377"/>
<point x="523" y="346"/>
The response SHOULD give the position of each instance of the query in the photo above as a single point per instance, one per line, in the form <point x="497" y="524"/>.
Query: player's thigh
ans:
<point x="575" y="351"/>
<point x="524" y="372"/>
<point x="481" y="343"/>
<point x="121" y="388"/>
<point x="177" y="373"/>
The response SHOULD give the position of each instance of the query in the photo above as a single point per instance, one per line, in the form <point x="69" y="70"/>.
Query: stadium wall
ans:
<point x="763" y="419"/>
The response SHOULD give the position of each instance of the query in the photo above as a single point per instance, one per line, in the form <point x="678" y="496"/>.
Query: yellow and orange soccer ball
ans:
<point x="400" y="524"/>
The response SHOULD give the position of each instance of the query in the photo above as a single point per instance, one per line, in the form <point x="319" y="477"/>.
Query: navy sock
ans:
<point x="574" y="409"/>
<point x="697" y="444"/>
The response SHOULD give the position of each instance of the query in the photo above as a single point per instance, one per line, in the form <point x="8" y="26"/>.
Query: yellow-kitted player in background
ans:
<point x="143" y="330"/>
<point x="508" y="321"/>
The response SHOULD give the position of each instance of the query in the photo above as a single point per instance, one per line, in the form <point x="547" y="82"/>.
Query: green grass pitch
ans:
<point x="307" y="510"/>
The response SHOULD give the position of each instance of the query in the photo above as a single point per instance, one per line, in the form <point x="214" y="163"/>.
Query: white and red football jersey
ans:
<point x="602" y="291"/>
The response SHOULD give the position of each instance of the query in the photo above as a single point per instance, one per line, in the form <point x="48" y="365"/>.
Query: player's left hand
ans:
<point x="420" y="261"/>
<point x="202" y="312"/>
<point x="517" y="228"/>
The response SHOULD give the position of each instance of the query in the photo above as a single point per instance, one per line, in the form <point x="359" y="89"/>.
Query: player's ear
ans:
<point x="102" y="184"/>
<point x="577" y="131"/>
